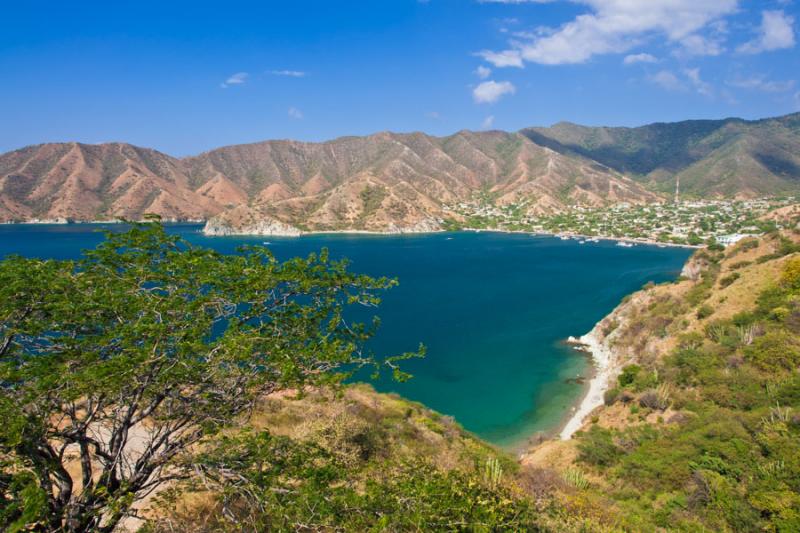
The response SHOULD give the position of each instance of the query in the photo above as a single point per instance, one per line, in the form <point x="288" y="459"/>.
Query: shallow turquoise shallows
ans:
<point x="492" y="309"/>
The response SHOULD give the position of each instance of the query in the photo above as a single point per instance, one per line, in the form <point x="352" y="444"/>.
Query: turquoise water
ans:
<point x="492" y="309"/>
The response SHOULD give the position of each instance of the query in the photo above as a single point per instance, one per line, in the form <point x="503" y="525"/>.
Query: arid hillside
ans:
<point x="390" y="182"/>
<point x="380" y="182"/>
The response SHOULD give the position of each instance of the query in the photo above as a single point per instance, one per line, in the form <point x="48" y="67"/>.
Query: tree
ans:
<point x="115" y="366"/>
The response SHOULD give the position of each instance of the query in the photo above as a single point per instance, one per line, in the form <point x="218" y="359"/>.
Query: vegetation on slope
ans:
<point x="702" y="431"/>
<point x="202" y="392"/>
<point x="712" y="158"/>
<point x="356" y="461"/>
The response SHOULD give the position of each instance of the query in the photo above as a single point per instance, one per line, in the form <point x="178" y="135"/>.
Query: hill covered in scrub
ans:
<point x="701" y="430"/>
<point x="355" y="460"/>
<point x="711" y="158"/>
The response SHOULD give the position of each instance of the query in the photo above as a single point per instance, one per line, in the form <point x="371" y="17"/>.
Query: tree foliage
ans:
<point x="115" y="365"/>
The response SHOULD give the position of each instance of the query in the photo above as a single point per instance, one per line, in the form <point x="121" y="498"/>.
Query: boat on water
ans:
<point x="625" y="244"/>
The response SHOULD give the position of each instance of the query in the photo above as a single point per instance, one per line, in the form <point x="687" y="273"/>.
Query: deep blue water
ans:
<point x="492" y="309"/>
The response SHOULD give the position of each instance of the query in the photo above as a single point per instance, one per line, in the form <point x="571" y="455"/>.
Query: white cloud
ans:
<point x="776" y="32"/>
<point x="614" y="26"/>
<point x="639" y="58"/>
<point x="698" y="45"/>
<point x="491" y="91"/>
<point x="483" y="72"/>
<point x="295" y="113"/>
<point x="235" y="79"/>
<point x="488" y="122"/>
<point x="687" y="79"/>
<point x="506" y="58"/>
<point x="760" y="83"/>
<point x="515" y="1"/>
<point x="697" y="82"/>
<point x="435" y="115"/>
<point x="667" y="80"/>
<point x="290" y="73"/>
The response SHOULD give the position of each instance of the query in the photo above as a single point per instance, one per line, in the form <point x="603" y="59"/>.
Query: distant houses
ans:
<point x="733" y="238"/>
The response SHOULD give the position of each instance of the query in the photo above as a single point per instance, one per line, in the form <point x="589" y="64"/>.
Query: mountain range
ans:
<point x="401" y="182"/>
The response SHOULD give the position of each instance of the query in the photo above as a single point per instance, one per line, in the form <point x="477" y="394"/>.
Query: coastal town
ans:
<point x="686" y="223"/>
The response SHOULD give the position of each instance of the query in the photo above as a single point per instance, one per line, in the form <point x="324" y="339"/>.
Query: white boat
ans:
<point x="625" y="244"/>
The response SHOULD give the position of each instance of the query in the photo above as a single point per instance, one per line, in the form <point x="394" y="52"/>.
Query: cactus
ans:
<point x="575" y="478"/>
<point x="493" y="472"/>
<point x="778" y="414"/>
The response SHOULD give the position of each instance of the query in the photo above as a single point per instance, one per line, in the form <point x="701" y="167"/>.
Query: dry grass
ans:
<point x="403" y="428"/>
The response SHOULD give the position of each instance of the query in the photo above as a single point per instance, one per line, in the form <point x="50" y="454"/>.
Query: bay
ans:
<point x="492" y="309"/>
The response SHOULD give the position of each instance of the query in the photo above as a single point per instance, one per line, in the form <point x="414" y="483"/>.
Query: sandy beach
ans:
<point x="605" y="370"/>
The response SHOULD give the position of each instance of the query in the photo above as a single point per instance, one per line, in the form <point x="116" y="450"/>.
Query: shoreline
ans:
<point x="605" y="368"/>
<point x="553" y="432"/>
<point x="534" y="233"/>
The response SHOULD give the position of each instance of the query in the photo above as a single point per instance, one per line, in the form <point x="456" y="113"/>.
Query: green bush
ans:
<point x="597" y="447"/>
<point x="610" y="396"/>
<point x="704" y="311"/>
<point x="777" y="350"/>
<point x="628" y="375"/>
<point x="728" y="280"/>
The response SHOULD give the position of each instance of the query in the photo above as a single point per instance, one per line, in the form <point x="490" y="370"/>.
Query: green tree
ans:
<point x="114" y="366"/>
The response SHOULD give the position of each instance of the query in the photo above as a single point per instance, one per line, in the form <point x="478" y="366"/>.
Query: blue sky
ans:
<point x="184" y="77"/>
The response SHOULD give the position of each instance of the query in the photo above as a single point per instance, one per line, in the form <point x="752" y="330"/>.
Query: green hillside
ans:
<point x="712" y="158"/>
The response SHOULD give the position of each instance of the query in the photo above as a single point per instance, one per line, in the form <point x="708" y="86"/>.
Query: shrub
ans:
<point x="774" y="351"/>
<point x="727" y="280"/>
<point x="704" y="311"/>
<point x="790" y="276"/>
<point x="628" y="375"/>
<point x="610" y="396"/>
<point x="656" y="399"/>
<point x="597" y="447"/>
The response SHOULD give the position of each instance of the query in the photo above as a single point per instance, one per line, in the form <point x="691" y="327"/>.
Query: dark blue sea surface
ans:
<point x="492" y="309"/>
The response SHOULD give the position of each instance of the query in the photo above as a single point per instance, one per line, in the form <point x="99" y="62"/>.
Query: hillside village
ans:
<point x="692" y="223"/>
